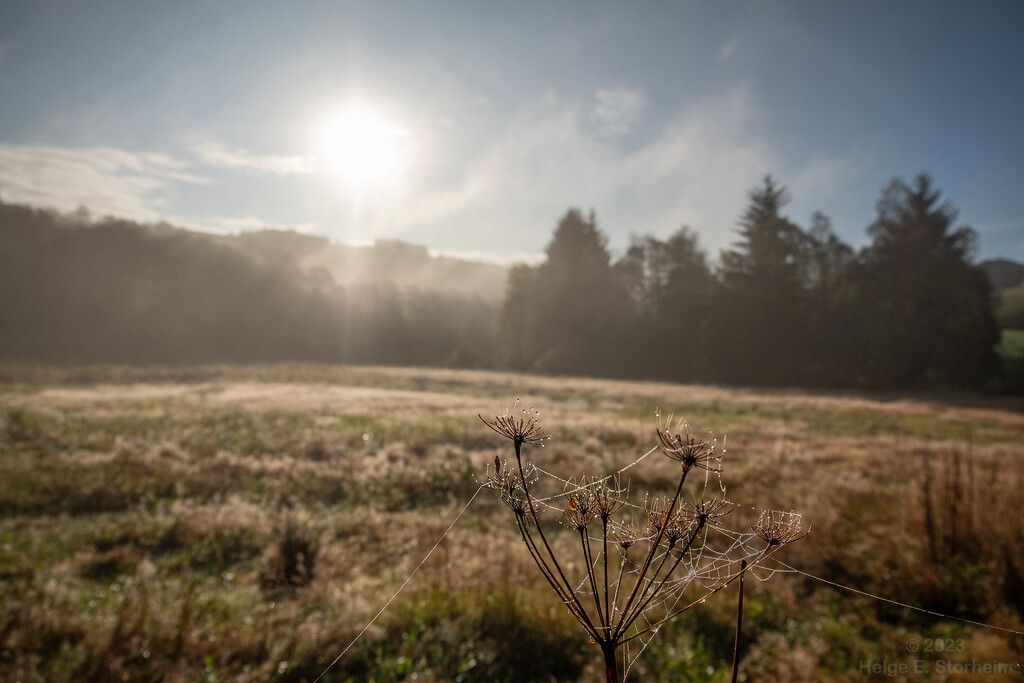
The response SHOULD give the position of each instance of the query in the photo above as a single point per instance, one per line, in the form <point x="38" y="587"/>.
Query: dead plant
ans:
<point x="663" y="567"/>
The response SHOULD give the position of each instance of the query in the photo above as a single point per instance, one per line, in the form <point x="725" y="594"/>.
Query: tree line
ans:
<point x="784" y="306"/>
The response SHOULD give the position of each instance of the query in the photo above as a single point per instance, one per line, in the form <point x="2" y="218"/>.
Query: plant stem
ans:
<point x="611" y="669"/>
<point x="588" y="558"/>
<point x="604" y="539"/>
<point x="739" y="626"/>
<point x="620" y="630"/>
<point x="570" y="593"/>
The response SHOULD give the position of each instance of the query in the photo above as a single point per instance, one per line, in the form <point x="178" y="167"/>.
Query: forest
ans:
<point x="784" y="306"/>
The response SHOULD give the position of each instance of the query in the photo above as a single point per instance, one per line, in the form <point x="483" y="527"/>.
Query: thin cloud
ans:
<point x="233" y="225"/>
<point x="727" y="49"/>
<point x="617" y="110"/>
<point x="506" y="200"/>
<point x="697" y="172"/>
<point x="106" y="180"/>
<point x="218" y="155"/>
<point x="507" y="258"/>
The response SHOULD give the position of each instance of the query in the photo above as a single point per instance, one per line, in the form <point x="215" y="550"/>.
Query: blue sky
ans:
<point x="210" y="114"/>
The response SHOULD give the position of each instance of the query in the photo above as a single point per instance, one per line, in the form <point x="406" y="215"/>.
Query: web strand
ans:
<point x="898" y="603"/>
<point x="400" y="588"/>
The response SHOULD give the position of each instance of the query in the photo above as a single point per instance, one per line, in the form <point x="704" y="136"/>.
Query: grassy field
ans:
<point x="244" y="524"/>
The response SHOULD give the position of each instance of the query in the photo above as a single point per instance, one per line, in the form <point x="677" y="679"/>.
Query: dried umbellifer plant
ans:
<point x="638" y="567"/>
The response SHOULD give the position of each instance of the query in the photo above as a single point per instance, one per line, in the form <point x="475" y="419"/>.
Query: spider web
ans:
<point x="715" y="558"/>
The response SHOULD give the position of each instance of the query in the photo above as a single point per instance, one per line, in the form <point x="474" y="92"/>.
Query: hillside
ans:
<point x="402" y="265"/>
<point x="1007" y="279"/>
<point x="117" y="291"/>
<point x="1003" y="273"/>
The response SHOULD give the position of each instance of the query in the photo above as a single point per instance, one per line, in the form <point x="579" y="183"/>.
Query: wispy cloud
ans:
<point x="233" y="225"/>
<point x="505" y="258"/>
<point x="504" y="202"/>
<point x="727" y="49"/>
<point x="137" y="186"/>
<point x="108" y="181"/>
<point x="697" y="172"/>
<point x="617" y="110"/>
<point x="218" y="155"/>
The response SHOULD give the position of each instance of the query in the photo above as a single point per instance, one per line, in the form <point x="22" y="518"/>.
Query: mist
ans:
<point x="786" y="306"/>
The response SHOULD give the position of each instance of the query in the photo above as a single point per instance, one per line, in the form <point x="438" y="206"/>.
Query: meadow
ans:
<point x="247" y="523"/>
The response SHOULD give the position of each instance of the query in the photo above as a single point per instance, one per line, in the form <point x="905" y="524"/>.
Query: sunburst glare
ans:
<point x="363" y="149"/>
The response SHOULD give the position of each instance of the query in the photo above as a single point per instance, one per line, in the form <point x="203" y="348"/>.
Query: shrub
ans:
<point x="291" y="562"/>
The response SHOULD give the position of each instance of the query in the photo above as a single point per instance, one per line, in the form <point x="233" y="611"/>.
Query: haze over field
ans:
<point x="471" y="128"/>
<point x="765" y="193"/>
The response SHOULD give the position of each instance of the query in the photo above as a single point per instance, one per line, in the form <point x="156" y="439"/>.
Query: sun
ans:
<point x="363" y="149"/>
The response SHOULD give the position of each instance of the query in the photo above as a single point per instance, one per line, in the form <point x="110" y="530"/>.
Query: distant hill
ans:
<point x="405" y="266"/>
<point x="1003" y="274"/>
<point x="386" y="262"/>
<point x="1007" y="279"/>
<point x="75" y="290"/>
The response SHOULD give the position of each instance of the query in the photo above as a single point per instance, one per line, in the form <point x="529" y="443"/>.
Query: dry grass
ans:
<point x="142" y="510"/>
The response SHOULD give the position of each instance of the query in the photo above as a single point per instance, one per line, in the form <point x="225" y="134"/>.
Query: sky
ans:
<point x="472" y="127"/>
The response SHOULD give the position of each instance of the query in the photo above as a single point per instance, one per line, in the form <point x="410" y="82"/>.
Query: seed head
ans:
<point x="580" y="506"/>
<point x="513" y="495"/>
<point x="777" y="528"/>
<point x="627" y="535"/>
<point x="502" y="478"/>
<point x="677" y="524"/>
<point x="521" y="426"/>
<point x="708" y="511"/>
<point x="607" y="500"/>
<point x="686" y="448"/>
<point x="495" y="477"/>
